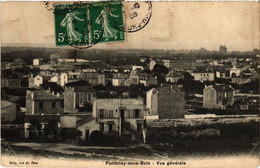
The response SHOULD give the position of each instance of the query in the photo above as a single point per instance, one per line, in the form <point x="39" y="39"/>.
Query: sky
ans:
<point x="173" y="25"/>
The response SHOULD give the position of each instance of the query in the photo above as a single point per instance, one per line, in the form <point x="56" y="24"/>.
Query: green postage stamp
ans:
<point x="85" y="24"/>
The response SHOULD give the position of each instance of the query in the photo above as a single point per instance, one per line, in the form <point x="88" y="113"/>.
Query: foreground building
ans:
<point x="124" y="117"/>
<point x="218" y="96"/>
<point x="78" y="98"/>
<point x="166" y="102"/>
<point x="43" y="102"/>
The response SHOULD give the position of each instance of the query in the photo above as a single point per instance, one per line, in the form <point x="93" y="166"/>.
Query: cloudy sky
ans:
<point x="174" y="25"/>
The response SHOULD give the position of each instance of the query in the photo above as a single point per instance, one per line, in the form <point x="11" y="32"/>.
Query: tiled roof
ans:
<point x="44" y="95"/>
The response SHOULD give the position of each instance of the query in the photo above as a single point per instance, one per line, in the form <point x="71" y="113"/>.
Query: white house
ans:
<point x="203" y="76"/>
<point x="35" y="81"/>
<point x="37" y="62"/>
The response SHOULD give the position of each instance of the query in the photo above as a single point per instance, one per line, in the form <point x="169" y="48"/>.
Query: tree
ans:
<point x="34" y="128"/>
<point x="52" y="129"/>
<point x="160" y="69"/>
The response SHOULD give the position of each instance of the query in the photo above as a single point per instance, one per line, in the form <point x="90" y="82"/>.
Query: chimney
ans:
<point x="58" y="94"/>
<point x="53" y="93"/>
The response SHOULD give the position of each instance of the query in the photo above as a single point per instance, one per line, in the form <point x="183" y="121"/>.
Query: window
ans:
<point x="110" y="127"/>
<point x="101" y="126"/>
<point x="89" y="97"/>
<point x="41" y="106"/>
<point x="128" y="111"/>
<point x="61" y="104"/>
<point x="101" y="113"/>
<point x="110" y="114"/>
<point x="220" y="96"/>
<point x="81" y="99"/>
<point x="137" y="113"/>
<point x="53" y="104"/>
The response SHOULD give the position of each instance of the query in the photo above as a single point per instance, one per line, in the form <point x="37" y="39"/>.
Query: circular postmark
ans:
<point x="136" y="15"/>
<point x="63" y="6"/>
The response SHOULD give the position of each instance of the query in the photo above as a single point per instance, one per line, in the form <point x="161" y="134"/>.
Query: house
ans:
<point x="37" y="61"/>
<point x="94" y="78"/>
<point x="61" y="79"/>
<point x="101" y="79"/>
<point x="11" y="82"/>
<point x="78" y="98"/>
<point x="218" y="96"/>
<point x="147" y="81"/>
<point x="118" y="79"/>
<point x="203" y="76"/>
<point x="240" y="80"/>
<point x="131" y="81"/>
<point x="134" y="67"/>
<point x="152" y="64"/>
<point x="167" y="102"/>
<point x="235" y="71"/>
<point x="173" y="76"/>
<point x="35" y="81"/>
<point x="180" y="63"/>
<point x="8" y="111"/>
<point x="43" y="102"/>
<point x="124" y="116"/>
<point x="221" y="74"/>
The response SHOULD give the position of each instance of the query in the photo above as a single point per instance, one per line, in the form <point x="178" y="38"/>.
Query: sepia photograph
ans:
<point x="134" y="84"/>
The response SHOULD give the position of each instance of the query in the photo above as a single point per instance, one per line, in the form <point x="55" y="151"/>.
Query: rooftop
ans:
<point x="44" y="95"/>
<point x="223" y="88"/>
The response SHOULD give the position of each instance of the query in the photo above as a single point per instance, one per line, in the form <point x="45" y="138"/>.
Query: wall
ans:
<point x="29" y="104"/>
<point x="203" y="76"/>
<point x="8" y="111"/>
<point x="210" y="98"/>
<point x="171" y="104"/>
<point x="47" y="107"/>
<point x="69" y="100"/>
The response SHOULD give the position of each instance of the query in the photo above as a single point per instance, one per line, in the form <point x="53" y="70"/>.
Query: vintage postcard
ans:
<point x="133" y="84"/>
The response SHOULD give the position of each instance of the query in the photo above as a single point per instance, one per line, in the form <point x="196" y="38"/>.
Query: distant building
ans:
<point x="218" y="96"/>
<point x="235" y="71"/>
<point x="167" y="102"/>
<point x="135" y="67"/>
<point x="94" y="78"/>
<point x="11" y="82"/>
<point x="43" y="102"/>
<point x="37" y="61"/>
<point x="203" y="76"/>
<point x="222" y="49"/>
<point x="152" y="64"/>
<point x="221" y="74"/>
<point x="35" y="81"/>
<point x="8" y="111"/>
<point x="233" y="61"/>
<point x="78" y="98"/>
<point x="148" y="81"/>
<point x="180" y="63"/>
<point x="67" y="60"/>
<point x="240" y="80"/>
<point x="118" y="79"/>
<point x="60" y="79"/>
<point x="173" y="76"/>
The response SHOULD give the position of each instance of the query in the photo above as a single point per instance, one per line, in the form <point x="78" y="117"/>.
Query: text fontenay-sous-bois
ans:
<point x="144" y="163"/>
